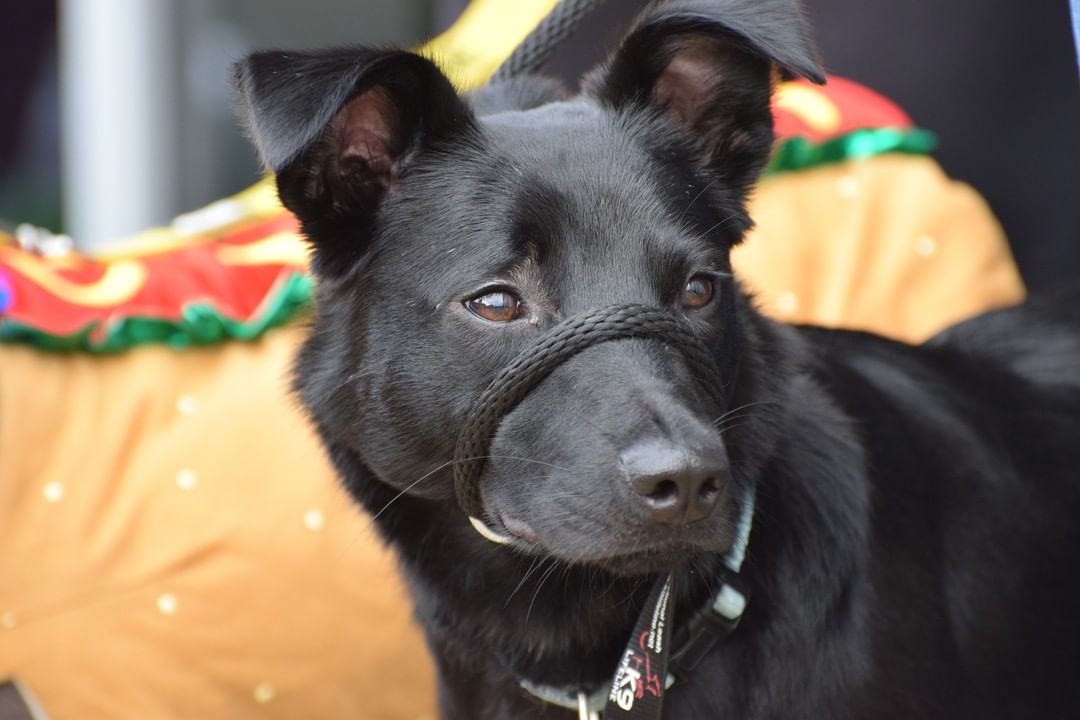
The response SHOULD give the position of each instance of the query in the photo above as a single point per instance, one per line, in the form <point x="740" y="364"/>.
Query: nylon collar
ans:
<point x="706" y="628"/>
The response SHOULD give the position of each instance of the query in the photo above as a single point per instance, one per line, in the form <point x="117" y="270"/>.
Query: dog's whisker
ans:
<point x="522" y="459"/>
<point x="697" y="197"/>
<point x="596" y="427"/>
<point x="630" y="594"/>
<point x="725" y="221"/>
<point x="448" y="463"/>
<point x="724" y="427"/>
<point x="741" y="416"/>
<point x="537" y="561"/>
<point x="744" y="406"/>
<point x="733" y="423"/>
<point x="539" y="585"/>
<point x="409" y="487"/>
<point x="729" y="428"/>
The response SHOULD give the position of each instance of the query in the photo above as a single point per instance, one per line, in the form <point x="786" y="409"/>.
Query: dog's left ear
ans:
<point x="710" y="66"/>
<point x="340" y="128"/>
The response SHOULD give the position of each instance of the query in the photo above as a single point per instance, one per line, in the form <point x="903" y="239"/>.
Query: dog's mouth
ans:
<point x="519" y="529"/>
<point x="653" y="560"/>
<point x="659" y="555"/>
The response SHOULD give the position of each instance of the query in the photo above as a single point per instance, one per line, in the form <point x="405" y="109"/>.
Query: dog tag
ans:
<point x="638" y="689"/>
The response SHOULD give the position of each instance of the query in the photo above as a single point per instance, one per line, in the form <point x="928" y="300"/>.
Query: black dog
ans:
<point x="916" y="537"/>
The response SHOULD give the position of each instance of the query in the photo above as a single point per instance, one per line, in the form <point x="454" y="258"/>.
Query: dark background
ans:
<point x="995" y="79"/>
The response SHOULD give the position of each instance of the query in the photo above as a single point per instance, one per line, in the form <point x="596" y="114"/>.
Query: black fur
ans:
<point x="915" y="542"/>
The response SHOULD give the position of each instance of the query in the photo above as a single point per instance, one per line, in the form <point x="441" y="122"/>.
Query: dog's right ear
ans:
<point x="339" y="127"/>
<point x="709" y="67"/>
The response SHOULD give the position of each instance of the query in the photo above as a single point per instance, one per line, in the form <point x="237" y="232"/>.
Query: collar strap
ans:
<point x="586" y="704"/>
<point x="709" y="626"/>
<point x="736" y="555"/>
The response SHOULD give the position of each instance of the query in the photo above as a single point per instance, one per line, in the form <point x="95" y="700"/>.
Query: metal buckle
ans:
<point x="583" y="708"/>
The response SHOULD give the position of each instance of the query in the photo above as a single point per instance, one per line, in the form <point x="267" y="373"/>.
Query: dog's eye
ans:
<point x="698" y="292"/>
<point x="496" y="306"/>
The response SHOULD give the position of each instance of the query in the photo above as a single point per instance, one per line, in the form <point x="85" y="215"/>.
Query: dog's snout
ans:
<point x="674" y="485"/>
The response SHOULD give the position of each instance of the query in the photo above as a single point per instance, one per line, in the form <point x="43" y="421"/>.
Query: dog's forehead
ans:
<point x="584" y="163"/>
<point x="578" y="138"/>
<point x="574" y="112"/>
<point x="577" y="161"/>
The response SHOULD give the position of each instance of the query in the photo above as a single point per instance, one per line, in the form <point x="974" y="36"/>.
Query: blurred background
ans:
<point x="117" y="114"/>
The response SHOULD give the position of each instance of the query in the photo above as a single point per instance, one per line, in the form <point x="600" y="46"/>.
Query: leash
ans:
<point x="1075" y="5"/>
<point x="537" y="47"/>
<point x="653" y="660"/>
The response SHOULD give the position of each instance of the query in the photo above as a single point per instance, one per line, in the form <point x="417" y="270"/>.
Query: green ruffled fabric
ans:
<point x="798" y="153"/>
<point x="200" y="324"/>
<point x="203" y="324"/>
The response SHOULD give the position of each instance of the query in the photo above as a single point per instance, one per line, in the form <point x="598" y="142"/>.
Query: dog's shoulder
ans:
<point x="864" y="369"/>
<point x="1038" y="340"/>
<point x="992" y="397"/>
<point x="1032" y="348"/>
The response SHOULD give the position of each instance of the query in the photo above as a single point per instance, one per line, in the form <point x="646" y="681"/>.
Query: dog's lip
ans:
<point x="518" y="528"/>
<point x="662" y="552"/>
<point x="654" y="559"/>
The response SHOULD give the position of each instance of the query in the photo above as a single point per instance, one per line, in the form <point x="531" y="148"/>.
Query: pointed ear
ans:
<point x="710" y="65"/>
<point x="339" y="128"/>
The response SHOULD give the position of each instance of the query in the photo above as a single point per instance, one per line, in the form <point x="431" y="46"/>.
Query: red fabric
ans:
<point x="854" y="107"/>
<point x="61" y="296"/>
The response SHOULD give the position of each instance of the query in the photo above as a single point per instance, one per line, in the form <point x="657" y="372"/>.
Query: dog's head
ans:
<point x="449" y="232"/>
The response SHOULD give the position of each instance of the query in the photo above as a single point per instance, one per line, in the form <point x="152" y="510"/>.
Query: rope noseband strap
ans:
<point x="532" y="365"/>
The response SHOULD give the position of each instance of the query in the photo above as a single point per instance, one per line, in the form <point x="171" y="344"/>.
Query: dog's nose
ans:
<point x="675" y="485"/>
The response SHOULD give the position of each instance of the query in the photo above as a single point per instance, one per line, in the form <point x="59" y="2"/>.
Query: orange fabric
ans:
<point x="173" y="544"/>
<point x="890" y="245"/>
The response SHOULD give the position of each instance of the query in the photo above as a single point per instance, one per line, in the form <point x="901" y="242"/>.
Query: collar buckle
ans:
<point x="584" y="713"/>
<point x="709" y="626"/>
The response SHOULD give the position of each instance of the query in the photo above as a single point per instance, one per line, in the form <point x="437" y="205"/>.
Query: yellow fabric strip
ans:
<point x="472" y="49"/>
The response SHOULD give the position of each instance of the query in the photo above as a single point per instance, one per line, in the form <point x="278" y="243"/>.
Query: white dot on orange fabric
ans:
<point x="787" y="303"/>
<point x="264" y="693"/>
<point x="314" y="519"/>
<point x="167" y="604"/>
<point x="925" y="246"/>
<point x="187" y="405"/>
<point x="53" y="491"/>
<point x="847" y="186"/>
<point x="8" y="621"/>
<point x="186" y="479"/>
